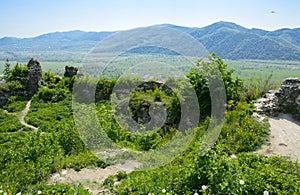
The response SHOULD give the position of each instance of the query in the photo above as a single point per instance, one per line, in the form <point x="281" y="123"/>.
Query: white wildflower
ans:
<point x="39" y="192"/>
<point x="242" y="182"/>
<point x="1" y="191"/>
<point x="204" y="187"/>
<point x="196" y="193"/>
<point x="19" y="193"/>
<point x="233" y="156"/>
<point x="5" y="193"/>
<point x="266" y="193"/>
<point x="63" y="171"/>
<point x="163" y="190"/>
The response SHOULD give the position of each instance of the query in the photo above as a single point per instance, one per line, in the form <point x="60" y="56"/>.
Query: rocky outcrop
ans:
<point x="152" y="85"/>
<point x="151" y="112"/>
<point x="27" y="88"/>
<point x="70" y="71"/>
<point x="35" y="76"/>
<point x="284" y="100"/>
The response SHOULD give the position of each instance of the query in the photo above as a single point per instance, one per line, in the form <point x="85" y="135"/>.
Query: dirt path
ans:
<point x="92" y="179"/>
<point x="23" y="115"/>
<point x="284" y="137"/>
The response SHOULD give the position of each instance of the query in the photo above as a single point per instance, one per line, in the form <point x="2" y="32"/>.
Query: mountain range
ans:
<point x="228" y="40"/>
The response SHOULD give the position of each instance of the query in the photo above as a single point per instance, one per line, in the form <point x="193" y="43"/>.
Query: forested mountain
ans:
<point x="228" y="40"/>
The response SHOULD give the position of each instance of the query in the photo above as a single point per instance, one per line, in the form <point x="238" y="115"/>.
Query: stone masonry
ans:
<point x="284" y="100"/>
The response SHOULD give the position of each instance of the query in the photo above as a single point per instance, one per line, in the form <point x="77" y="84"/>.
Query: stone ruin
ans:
<point x="284" y="100"/>
<point x="33" y="83"/>
<point x="35" y="76"/>
<point x="70" y="71"/>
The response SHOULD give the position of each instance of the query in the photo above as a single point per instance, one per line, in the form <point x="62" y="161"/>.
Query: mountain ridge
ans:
<point x="227" y="39"/>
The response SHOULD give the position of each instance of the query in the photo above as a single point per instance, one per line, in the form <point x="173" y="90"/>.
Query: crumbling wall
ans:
<point x="284" y="100"/>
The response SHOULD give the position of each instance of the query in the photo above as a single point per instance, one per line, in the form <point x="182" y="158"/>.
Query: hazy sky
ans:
<point x="27" y="18"/>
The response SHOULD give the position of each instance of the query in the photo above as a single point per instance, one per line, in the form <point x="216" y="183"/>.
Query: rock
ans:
<point x="286" y="99"/>
<point x="282" y="144"/>
<point x="35" y="76"/>
<point x="4" y="98"/>
<point x="70" y="71"/>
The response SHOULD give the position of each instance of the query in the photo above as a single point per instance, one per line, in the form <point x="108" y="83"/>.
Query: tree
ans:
<point x="18" y="72"/>
<point x="207" y="70"/>
<point x="7" y="73"/>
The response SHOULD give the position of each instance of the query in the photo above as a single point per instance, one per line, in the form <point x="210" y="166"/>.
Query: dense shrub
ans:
<point x="241" y="132"/>
<point x="208" y="70"/>
<point x="16" y="103"/>
<point x="19" y="72"/>
<point x="10" y="123"/>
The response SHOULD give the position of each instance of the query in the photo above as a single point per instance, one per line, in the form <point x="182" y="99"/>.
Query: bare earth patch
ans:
<point x="92" y="179"/>
<point x="284" y="137"/>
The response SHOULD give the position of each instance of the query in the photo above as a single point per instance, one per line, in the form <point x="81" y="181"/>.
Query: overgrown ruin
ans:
<point x="32" y="84"/>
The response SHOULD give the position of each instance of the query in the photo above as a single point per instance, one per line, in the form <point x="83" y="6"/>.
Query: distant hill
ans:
<point x="232" y="41"/>
<point x="228" y="40"/>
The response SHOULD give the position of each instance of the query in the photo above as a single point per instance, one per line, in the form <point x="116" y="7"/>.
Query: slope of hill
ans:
<point x="228" y="40"/>
<point x="232" y="41"/>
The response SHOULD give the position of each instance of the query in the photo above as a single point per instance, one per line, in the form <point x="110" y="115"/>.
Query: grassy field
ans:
<point x="280" y="70"/>
<point x="246" y="69"/>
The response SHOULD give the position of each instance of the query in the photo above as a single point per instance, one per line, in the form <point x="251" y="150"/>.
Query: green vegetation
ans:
<point x="247" y="70"/>
<point x="10" y="123"/>
<point x="214" y="173"/>
<point x="53" y="66"/>
<point x="261" y="69"/>
<point x="17" y="73"/>
<point x="28" y="157"/>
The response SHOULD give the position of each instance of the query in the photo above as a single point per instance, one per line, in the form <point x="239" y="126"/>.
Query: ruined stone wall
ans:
<point x="286" y="99"/>
<point x="70" y="71"/>
<point x="35" y="76"/>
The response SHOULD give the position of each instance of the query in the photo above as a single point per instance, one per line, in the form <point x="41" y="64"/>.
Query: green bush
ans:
<point x="82" y="160"/>
<point x="10" y="123"/>
<point x="49" y="79"/>
<point x="16" y="103"/>
<point x="241" y="132"/>
<point x="15" y="86"/>
<point x="45" y="188"/>
<point x="52" y="95"/>
<point x="19" y="72"/>
<point x="209" y="70"/>
<point x="257" y="87"/>
<point x="123" y="137"/>
<point x="216" y="173"/>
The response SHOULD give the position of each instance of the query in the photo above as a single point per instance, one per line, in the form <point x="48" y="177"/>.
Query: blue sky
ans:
<point x="27" y="18"/>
